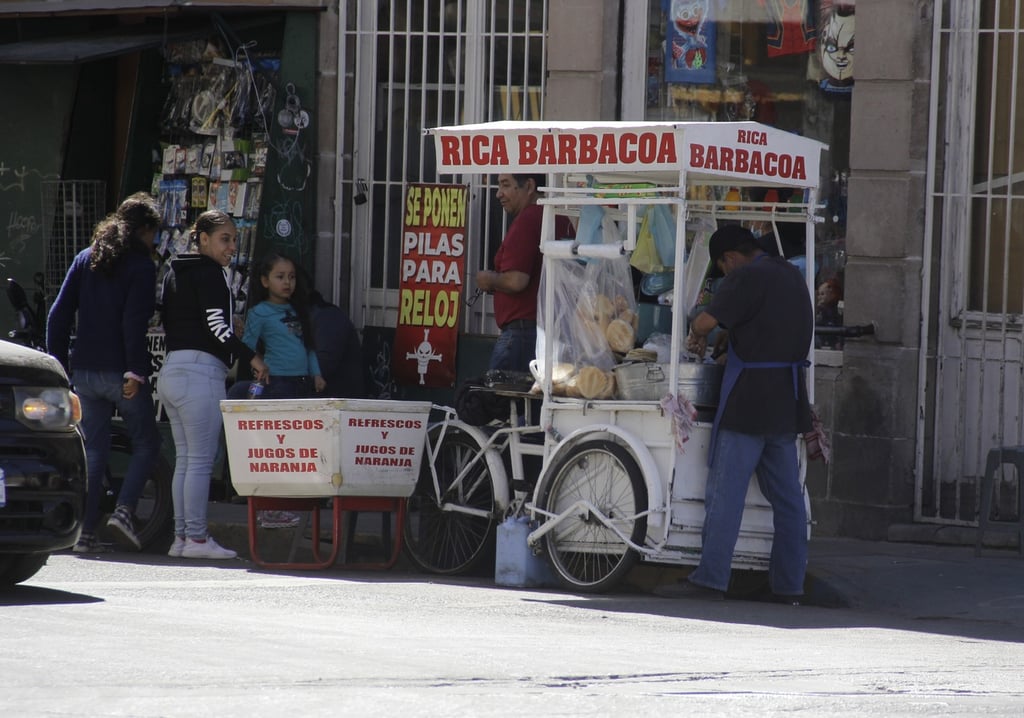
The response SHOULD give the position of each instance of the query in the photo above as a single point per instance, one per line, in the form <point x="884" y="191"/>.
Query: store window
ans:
<point x="784" y="63"/>
<point x="996" y="282"/>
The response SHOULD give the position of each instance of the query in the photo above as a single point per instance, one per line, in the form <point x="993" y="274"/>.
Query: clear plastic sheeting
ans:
<point x="594" y="315"/>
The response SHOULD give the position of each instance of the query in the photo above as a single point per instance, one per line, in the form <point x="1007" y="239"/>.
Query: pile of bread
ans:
<point x="588" y="382"/>
<point x="607" y="322"/>
<point x="608" y="327"/>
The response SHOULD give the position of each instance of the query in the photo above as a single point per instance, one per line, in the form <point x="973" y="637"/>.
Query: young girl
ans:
<point x="280" y="321"/>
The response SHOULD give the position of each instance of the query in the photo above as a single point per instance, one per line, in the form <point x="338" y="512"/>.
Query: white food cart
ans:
<point x="618" y="482"/>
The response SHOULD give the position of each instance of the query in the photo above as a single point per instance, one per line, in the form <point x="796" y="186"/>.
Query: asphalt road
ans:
<point x="135" y="635"/>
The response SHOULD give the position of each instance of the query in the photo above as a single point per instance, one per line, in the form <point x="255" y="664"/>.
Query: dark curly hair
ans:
<point x="119" y="232"/>
<point x="299" y="300"/>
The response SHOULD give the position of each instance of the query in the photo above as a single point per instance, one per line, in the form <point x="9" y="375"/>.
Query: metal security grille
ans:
<point x="975" y="226"/>
<point x="71" y="210"/>
<point x="427" y="64"/>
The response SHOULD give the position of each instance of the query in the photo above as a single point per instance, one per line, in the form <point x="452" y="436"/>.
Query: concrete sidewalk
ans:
<point x="910" y="580"/>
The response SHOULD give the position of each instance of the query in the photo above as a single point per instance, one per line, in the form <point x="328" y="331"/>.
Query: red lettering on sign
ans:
<point x="742" y="160"/>
<point x="280" y="424"/>
<point x="753" y="162"/>
<point x="749" y="137"/>
<point x="697" y="156"/>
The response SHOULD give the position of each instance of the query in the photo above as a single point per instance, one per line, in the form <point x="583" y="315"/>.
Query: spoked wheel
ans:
<point x="456" y="539"/>
<point x="587" y="555"/>
<point x="154" y="514"/>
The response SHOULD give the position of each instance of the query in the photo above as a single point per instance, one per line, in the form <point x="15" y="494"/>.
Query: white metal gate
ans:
<point x="975" y="225"/>
<point x="429" y="63"/>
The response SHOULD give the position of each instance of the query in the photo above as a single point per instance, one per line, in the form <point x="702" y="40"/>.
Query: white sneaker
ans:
<point x="177" y="547"/>
<point x="205" y="549"/>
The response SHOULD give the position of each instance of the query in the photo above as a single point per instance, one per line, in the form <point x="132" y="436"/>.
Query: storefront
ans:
<point x="205" y="106"/>
<point x="919" y="223"/>
<point x="785" y="64"/>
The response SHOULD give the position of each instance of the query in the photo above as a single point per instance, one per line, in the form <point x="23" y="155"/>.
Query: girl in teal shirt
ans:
<point x="280" y="320"/>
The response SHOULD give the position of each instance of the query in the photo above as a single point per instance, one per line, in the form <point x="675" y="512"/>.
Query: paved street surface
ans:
<point x="143" y="635"/>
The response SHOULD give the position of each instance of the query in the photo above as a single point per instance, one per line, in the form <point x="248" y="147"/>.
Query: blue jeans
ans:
<point x="100" y="393"/>
<point x="515" y="349"/>
<point x="774" y="459"/>
<point x="191" y="386"/>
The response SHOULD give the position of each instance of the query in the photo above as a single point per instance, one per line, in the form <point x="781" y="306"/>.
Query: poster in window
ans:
<point x="792" y="29"/>
<point x="430" y="291"/>
<point x="835" y="45"/>
<point x="689" y="42"/>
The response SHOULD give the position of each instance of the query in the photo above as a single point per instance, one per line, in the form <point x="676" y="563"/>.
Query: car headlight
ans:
<point x="47" y="407"/>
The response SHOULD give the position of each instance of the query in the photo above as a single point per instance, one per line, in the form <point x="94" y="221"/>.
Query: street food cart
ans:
<point x="624" y="465"/>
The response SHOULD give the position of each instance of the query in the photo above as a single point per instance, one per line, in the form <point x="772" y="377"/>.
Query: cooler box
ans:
<point x="325" y="447"/>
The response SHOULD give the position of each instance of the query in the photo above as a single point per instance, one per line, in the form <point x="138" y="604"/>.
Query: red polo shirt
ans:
<point x="520" y="251"/>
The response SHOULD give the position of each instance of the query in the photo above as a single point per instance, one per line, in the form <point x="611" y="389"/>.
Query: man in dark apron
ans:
<point x="764" y="305"/>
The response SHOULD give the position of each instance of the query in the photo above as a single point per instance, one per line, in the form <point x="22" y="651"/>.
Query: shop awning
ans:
<point x="128" y="38"/>
<point x="81" y="49"/>
<point x="28" y="8"/>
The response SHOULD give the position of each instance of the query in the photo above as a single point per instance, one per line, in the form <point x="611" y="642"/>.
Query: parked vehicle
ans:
<point x="42" y="462"/>
<point x="154" y="512"/>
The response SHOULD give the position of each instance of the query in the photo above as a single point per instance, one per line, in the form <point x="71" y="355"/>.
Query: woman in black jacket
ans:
<point x="201" y="347"/>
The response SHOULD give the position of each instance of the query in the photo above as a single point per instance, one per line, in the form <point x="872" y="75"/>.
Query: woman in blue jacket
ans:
<point x="109" y="288"/>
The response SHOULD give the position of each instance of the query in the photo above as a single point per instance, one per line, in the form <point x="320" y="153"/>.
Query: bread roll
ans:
<point x="592" y="335"/>
<point x="590" y="382"/>
<point x="621" y="305"/>
<point x="561" y="371"/>
<point x="571" y="387"/>
<point x="631" y="318"/>
<point x="620" y="336"/>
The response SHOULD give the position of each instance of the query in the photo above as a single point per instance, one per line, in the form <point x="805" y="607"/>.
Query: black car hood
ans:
<point x="21" y="365"/>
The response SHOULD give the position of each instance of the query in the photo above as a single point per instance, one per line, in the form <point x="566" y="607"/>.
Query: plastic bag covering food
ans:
<point x="593" y="317"/>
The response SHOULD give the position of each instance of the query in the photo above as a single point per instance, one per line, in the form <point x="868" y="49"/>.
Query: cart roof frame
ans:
<point x="744" y="153"/>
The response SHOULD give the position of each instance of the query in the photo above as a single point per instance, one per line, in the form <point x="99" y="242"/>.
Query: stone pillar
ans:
<point x="870" y="483"/>
<point x="582" y="56"/>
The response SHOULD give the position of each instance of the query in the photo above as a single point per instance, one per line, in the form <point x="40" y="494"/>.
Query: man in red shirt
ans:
<point x="515" y="279"/>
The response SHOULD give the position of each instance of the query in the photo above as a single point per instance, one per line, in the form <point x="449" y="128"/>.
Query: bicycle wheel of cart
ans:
<point x="586" y="554"/>
<point x="451" y="529"/>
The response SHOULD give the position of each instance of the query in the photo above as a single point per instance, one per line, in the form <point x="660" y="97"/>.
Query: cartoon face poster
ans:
<point x="835" y="45"/>
<point x="689" y="41"/>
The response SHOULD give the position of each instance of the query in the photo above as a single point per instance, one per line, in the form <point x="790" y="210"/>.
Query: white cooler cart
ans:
<point x="289" y="454"/>
<point x="614" y="487"/>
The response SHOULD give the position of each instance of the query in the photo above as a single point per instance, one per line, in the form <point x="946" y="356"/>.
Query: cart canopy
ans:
<point x="747" y="153"/>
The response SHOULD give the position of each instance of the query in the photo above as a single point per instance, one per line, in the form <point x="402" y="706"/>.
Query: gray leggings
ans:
<point x="191" y="385"/>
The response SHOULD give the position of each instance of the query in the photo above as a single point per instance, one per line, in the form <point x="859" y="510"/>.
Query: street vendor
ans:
<point x="764" y="305"/>
<point x="515" y="279"/>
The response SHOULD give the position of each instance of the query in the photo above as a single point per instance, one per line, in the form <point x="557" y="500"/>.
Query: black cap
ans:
<point x="730" y="238"/>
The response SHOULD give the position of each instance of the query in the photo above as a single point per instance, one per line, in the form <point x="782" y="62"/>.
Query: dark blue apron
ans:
<point x="733" y="366"/>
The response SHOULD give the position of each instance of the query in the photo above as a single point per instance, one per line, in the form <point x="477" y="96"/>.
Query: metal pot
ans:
<point x="700" y="382"/>
<point x="646" y="381"/>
